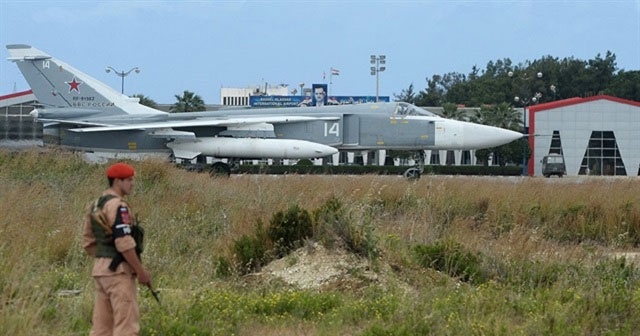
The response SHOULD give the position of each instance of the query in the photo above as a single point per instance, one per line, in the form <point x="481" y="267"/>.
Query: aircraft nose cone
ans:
<point x="323" y="150"/>
<point x="482" y="136"/>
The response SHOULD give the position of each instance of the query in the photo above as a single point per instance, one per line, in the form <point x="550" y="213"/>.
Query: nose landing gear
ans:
<point x="414" y="173"/>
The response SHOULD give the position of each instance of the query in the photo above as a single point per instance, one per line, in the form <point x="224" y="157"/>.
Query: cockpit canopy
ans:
<point x="406" y="109"/>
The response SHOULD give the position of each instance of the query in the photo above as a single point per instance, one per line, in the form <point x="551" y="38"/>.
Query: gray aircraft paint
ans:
<point x="80" y="112"/>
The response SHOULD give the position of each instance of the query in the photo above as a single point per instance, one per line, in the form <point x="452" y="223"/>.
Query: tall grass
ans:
<point x="451" y="255"/>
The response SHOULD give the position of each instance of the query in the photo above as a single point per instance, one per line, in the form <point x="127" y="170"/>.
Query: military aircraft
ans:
<point x="82" y="113"/>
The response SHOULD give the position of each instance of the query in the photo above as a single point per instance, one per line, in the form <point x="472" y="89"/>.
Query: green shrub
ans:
<point x="304" y="162"/>
<point x="287" y="230"/>
<point x="334" y="225"/>
<point x="223" y="267"/>
<point x="251" y="253"/>
<point x="330" y="222"/>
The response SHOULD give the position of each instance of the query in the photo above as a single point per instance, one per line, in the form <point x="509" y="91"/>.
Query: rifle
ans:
<point x="115" y="262"/>
<point x="154" y="293"/>
<point x="138" y="235"/>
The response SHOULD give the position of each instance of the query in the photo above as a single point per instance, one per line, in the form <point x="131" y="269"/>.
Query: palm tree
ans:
<point x="189" y="102"/>
<point x="483" y="116"/>
<point x="502" y="115"/>
<point x="450" y="111"/>
<point x="505" y="116"/>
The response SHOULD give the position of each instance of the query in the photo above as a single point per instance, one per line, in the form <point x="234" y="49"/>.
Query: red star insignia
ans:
<point x="74" y="85"/>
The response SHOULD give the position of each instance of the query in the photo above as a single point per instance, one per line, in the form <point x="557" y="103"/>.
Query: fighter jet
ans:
<point x="82" y="113"/>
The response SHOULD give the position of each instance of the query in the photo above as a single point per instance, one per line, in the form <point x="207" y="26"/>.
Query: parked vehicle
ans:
<point x="553" y="164"/>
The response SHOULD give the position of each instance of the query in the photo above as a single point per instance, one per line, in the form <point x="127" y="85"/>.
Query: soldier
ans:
<point x="111" y="235"/>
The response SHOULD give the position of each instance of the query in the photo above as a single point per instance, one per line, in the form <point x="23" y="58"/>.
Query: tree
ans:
<point x="494" y="86"/>
<point x="569" y="77"/>
<point x="146" y="101"/>
<point x="625" y="85"/>
<point x="512" y="152"/>
<point x="188" y="102"/>
<point x="502" y="115"/>
<point x="493" y="90"/>
<point x="601" y="72"/>
<point x="551" y="69"/>
<point x="407" y="95"/>
<point x="434" y="93"/>
<point x="572" y="78"/>
<point x="482" y="116"/>
<point x="450" y="111"/>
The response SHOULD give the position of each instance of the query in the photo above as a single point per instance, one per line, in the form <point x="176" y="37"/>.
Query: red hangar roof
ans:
<point x="16" y="98"/>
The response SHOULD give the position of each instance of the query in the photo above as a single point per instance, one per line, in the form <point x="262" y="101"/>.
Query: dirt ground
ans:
<point x="312" y="267"/>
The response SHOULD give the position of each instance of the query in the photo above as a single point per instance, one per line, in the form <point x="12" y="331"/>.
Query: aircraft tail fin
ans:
<point x="58" y="85"/>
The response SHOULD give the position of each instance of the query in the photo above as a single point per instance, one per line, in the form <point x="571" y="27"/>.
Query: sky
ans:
<point x="202" y="46"/>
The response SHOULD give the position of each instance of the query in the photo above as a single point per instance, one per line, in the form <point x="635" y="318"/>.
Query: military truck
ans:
<point x="553" y="164"/>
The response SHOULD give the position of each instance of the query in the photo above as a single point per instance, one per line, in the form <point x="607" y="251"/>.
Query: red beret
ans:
<point x="120" y="170"/>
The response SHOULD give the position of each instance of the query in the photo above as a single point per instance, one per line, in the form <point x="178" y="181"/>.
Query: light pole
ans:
<point x="526" y="101"/>
<point x="376" y="69"/>
<point x="122" y="74"/>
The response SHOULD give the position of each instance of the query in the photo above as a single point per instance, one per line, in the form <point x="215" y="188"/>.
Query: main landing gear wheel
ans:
<point x="220" y="169"/>
<point x="412" y="173"/>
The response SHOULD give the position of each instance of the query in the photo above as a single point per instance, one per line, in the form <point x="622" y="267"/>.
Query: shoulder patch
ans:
<point x="123" y="216"/>
<point x="122" y="225"/>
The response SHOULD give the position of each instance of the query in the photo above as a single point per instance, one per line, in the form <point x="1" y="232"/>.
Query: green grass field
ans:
<point x="444" y="255"/>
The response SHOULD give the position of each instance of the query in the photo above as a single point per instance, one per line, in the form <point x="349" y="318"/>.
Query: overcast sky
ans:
<point x="202" y="46"/>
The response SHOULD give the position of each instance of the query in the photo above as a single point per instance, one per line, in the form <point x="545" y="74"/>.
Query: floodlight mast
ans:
<point x="525" y="102"/>
<point x="376" y="69"/>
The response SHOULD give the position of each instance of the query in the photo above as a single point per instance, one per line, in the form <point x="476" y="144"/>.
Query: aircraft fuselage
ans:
<point x="80" y="112"/>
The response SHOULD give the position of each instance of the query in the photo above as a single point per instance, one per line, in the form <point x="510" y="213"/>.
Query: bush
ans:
<point x="304" y="162"/>
<point x="287" y="230"/>
<point x="251" y="253"/>
<point x="223" y="267"/>
<point x="334" y="225"/>
<point x="330" y="222"/>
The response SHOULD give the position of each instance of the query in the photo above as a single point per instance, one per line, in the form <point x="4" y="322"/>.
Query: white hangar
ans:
<point x="598" y="135"/>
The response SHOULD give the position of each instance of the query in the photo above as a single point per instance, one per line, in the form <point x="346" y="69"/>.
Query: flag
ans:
<point x="335" y="72"/>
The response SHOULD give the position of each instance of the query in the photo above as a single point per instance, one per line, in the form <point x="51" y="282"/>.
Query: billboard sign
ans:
<point x="318" y="97"/>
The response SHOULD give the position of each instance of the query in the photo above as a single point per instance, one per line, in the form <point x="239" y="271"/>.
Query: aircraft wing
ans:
<point x="66" y="121"/>
<point x="204" y="122"/>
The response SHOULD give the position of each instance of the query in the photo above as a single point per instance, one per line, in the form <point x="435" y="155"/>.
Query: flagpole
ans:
<point x="332" y="71"/>
<point x="330" y="81"/>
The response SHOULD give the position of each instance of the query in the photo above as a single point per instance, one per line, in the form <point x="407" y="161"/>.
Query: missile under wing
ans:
<point x="80" y="112"/>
